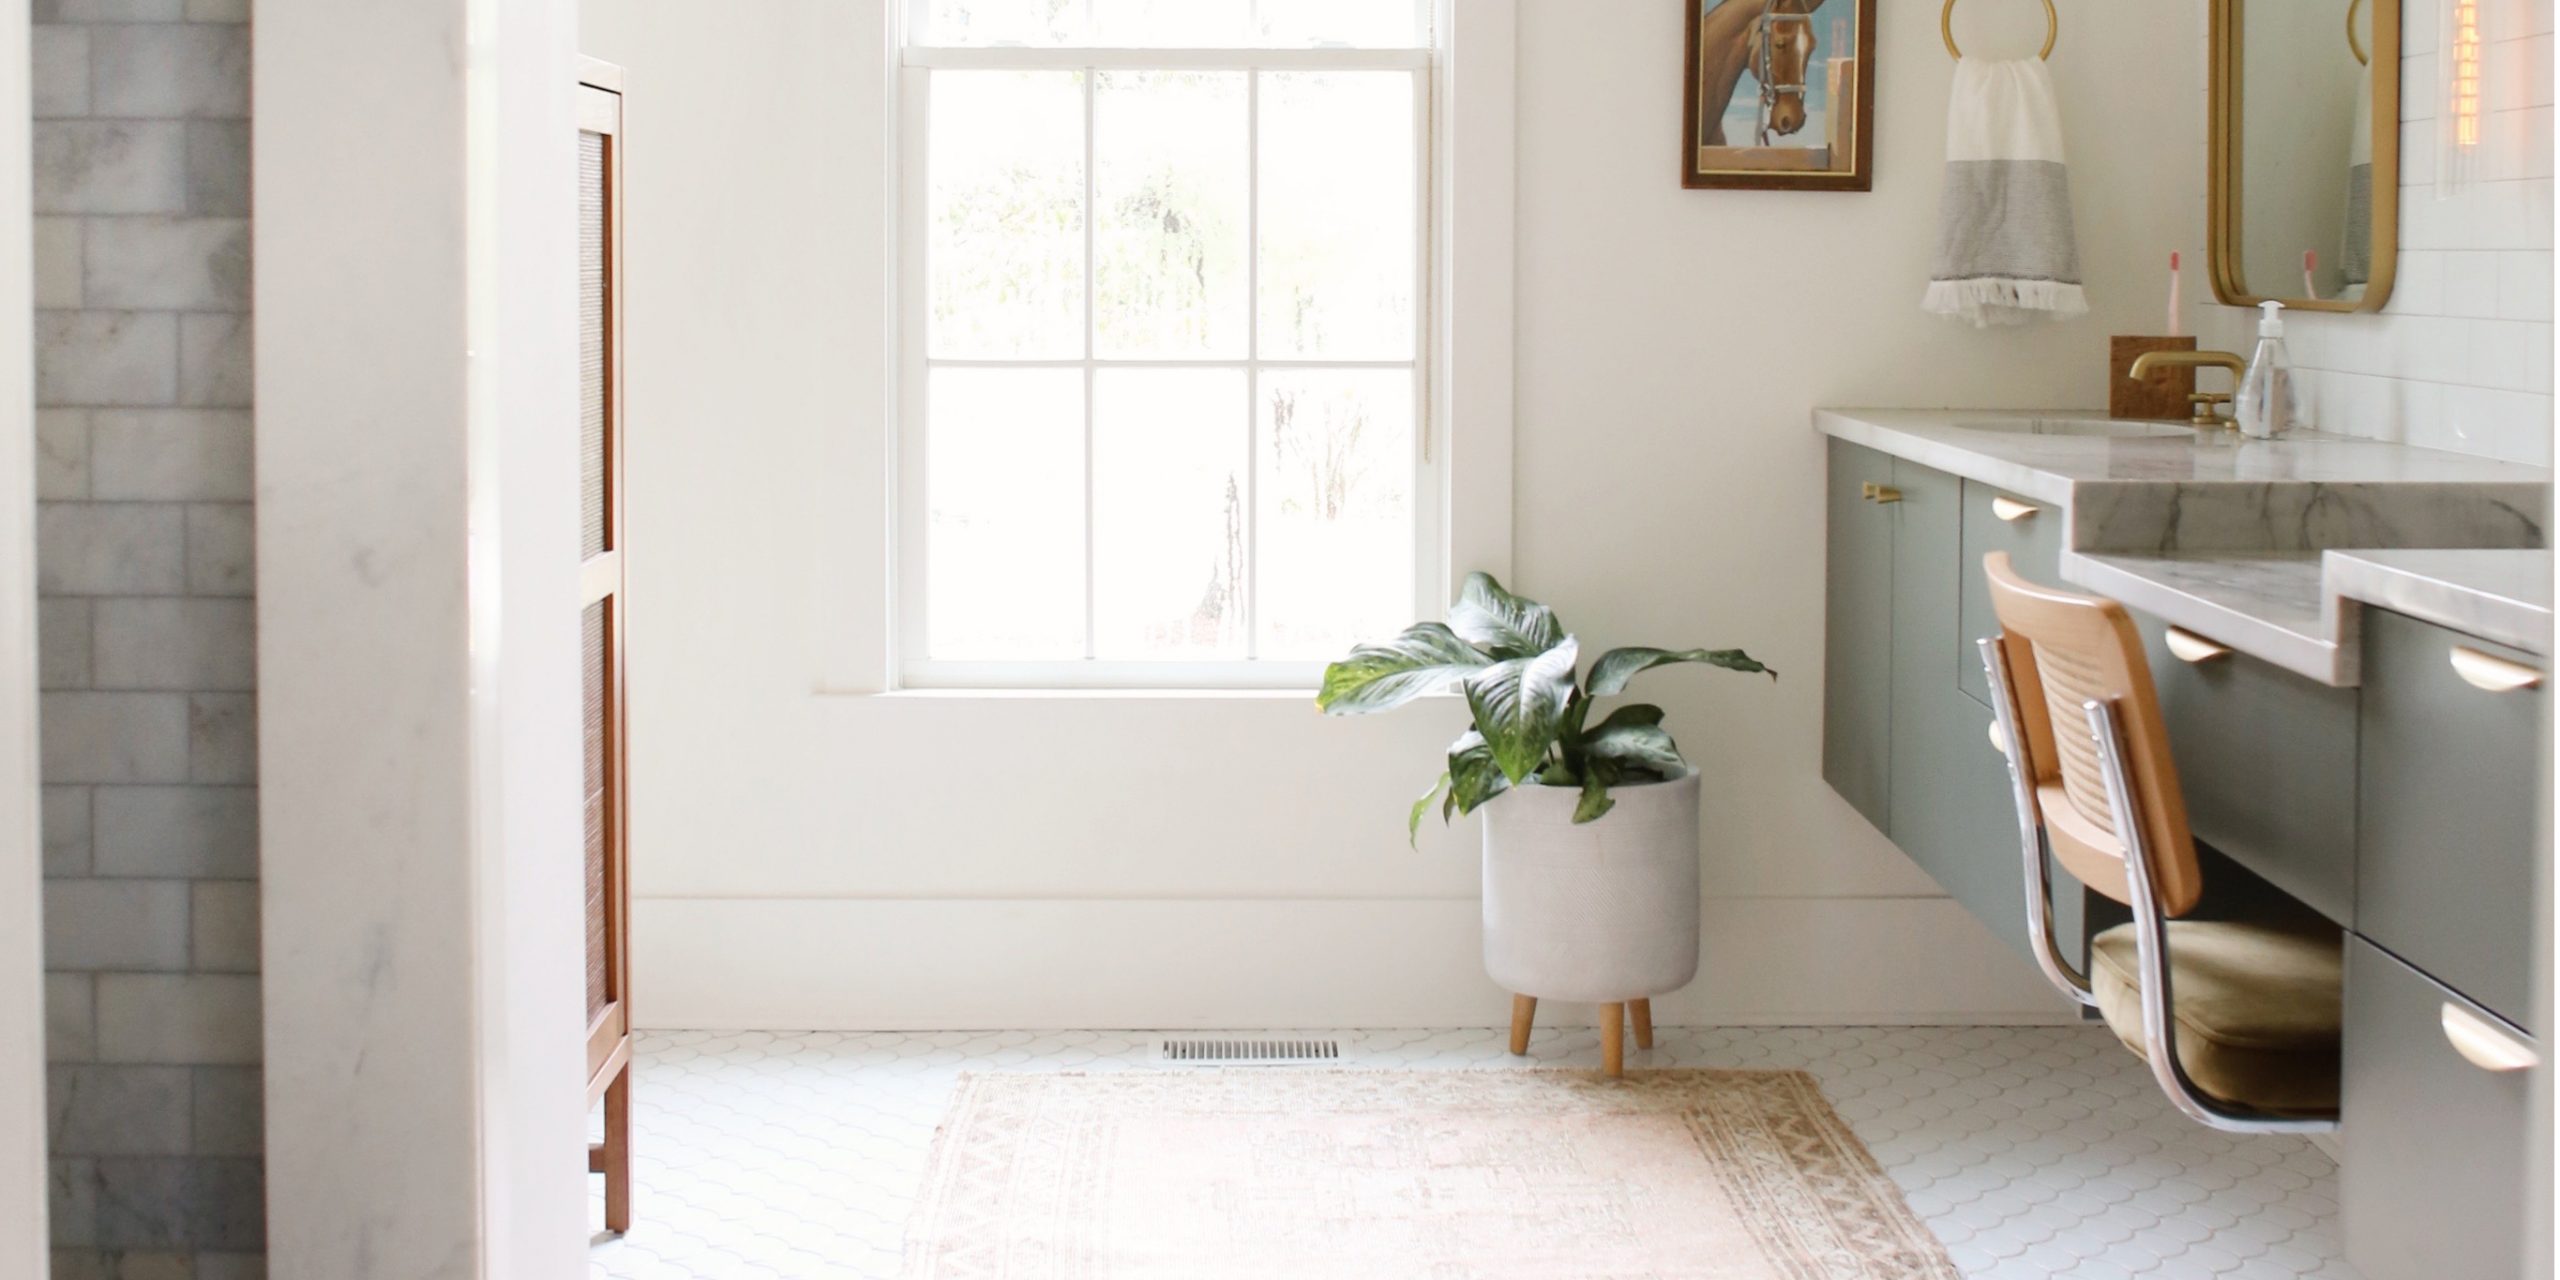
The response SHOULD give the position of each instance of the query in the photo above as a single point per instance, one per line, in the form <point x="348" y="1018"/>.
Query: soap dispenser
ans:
<point x="2267" y="405"/>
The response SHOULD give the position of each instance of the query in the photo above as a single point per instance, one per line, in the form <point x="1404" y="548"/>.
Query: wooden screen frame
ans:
<point x="601" y="579"/>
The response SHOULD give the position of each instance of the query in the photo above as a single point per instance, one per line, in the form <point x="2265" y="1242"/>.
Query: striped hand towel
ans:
<point x="2005" y="250"/>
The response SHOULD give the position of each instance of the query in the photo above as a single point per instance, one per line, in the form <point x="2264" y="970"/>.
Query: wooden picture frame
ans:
<point x="1799" y="136"/>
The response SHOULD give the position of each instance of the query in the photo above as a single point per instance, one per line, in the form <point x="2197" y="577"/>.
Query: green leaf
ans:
<point x="1595" y="800"/>
<point x="1634" y="713"/>
<point x="1635" y="746"/>
<point x="1502" y="624"/>
<point x="1413" y="825"/>
<point x="1378" y="676"/>
<point x="1474" y="777"/>
<point x="1616" y="667"/>
<point x="1519" y="705"/>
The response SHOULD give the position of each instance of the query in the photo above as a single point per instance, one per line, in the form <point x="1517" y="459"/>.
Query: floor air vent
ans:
<point x="1249" y="1053"/>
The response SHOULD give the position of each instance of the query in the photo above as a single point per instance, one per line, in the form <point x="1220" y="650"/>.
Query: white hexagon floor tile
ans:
<point x="2032" y="1152"/>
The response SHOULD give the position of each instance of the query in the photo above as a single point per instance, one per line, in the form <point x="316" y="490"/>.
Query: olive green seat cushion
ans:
<point x="2257" y="1008"/>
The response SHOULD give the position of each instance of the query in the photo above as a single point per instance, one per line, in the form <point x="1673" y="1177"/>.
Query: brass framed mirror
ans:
<point x="2304" y="166"/>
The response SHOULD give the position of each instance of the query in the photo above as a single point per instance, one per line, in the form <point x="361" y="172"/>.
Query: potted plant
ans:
<point x="1591" y="828"/>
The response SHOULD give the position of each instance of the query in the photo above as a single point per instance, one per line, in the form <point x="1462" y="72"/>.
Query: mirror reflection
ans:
<point x="2304" y="153"/>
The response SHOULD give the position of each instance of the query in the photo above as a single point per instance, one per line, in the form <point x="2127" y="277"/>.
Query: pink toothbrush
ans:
<point x="2174" y="309"/>
<point x="2310" y="264"/>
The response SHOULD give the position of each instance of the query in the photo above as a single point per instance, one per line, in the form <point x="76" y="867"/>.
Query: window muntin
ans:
<point x="1167" y="422"/>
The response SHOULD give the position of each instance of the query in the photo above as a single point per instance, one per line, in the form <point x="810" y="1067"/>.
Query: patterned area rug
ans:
<point x="1436" y="1175"/>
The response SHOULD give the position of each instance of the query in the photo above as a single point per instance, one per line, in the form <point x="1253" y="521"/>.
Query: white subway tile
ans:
<point x="114" y="737"/>
<point x="221" y="549"/>
<point x="60" y="58"/>
<point x="217" y="10"/>
<point x="120" y="1111"/>
<point x="67" y="831"/>
<point x="223" y="927"/>
<point x="190" y="832"/>
<point x="63" y="654"/>
<point x="2509" y="355"/>
<point x="110" y="166"/>
<point x="70" y="1017"/>
<point x="170" y="455"/>
<point x="108" y="10"/>
<point x="180" y="643"/>
<point x="62" y="454"/>
<point x="2419" y="287"/>
<point x="195" y="1018"/>
<point x="230" y="1113"/>
<point x="214" y="361"/>
<point x="168" y="264"/>
<point x="124" y="925"/>
<point x="166" y="70"/>
<point x="2470" y="284"/>
<point x="2515" y="425"/>
<point x="2418" y="25"/>
<point x="218" y="167"/>
<point x="2525" y="284"/>
<point x="222" y="737"/>
<point x="106" y="358"/>
<point x="57" y="283"/>
<point x="109" y="548"/>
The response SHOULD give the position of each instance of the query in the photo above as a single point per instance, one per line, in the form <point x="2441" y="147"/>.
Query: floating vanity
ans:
<point x="2348" y="639"/>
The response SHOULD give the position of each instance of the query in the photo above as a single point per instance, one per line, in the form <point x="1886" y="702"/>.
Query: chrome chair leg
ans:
<point x="2039" y="872"/>
<point x="2151" y="949"/>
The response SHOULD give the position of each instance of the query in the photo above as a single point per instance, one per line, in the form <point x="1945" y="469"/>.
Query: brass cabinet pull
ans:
<point x="1874" y="492"/>
<point x="1998" y="742"/>
<point x="2190" y="647"/>
<point x="2495" y="674"/>
<point x="2484" y="1044"/>
<point x="2012" y="510"/>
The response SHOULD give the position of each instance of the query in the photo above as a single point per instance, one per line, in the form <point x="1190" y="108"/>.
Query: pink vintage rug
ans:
<point x="1435" y="1175"/>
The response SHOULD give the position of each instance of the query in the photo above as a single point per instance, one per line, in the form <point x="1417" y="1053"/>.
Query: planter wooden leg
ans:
<point x="1613" y="1042"/>
<point x="617" y="1154"/>
<point x="1642" y="1012"/>
<point x="1524" y="1009"/>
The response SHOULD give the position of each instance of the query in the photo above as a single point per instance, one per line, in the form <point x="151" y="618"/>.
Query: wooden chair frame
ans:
<point x="2151" y="914"/>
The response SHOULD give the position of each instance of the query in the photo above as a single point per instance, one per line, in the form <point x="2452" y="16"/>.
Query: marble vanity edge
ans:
<point x="1940" y="455"/>
<point x="2328" y="655"/>
<point x="2467" y="607"/>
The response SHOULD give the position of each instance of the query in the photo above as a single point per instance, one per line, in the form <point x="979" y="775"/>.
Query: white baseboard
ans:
<point x="945" y="964"/>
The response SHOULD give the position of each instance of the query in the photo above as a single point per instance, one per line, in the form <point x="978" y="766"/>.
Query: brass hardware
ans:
<point x="1874" y="492"/>
<point x="2208" y="415"/>
<point x="1947" y="29"/>
<point x="2494" y="674"/>
<point x="1999" y="741"/>
<point x="2483" y="1043"/>
<point x="2192" y="648"/>
<point x="2226" y="165"/>
<point x="2012" y="510"/>
<point x="2354" y="45"/>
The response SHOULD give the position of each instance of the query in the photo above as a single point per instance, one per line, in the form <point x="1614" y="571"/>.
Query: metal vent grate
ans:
<point x="1249" y="1053"/>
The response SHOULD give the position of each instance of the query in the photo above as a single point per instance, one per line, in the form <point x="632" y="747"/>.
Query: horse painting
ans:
<point x="1773" y="39"/>
<point x="1812" y="79"/>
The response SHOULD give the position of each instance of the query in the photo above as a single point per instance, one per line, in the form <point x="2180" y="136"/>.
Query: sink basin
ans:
<point x="2097" y="428"/>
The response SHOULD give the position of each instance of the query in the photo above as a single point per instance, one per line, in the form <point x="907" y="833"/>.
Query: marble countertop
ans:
<point x="2504" y="596"/>
<point x="2261" y="545"/>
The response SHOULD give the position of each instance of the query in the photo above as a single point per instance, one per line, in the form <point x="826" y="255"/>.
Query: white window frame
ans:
<point x="914" y="668"/>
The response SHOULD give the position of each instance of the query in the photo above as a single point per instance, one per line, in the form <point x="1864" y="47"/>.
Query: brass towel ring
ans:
<point x="1947" y="29"/>
<point x="2354" y="45"/>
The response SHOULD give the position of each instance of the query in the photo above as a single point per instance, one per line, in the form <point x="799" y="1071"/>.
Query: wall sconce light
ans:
<point x="2461" y="109"/>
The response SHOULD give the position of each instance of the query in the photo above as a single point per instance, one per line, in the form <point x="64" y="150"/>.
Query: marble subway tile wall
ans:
<point x="148" y="651"/>
<point x="2461" y="356"/>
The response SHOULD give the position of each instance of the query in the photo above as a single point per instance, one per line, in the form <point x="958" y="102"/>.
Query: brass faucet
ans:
<point x="2208" y="416"/>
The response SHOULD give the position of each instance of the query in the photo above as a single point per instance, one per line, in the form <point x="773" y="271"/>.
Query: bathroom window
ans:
<point x="1166" y="338"/>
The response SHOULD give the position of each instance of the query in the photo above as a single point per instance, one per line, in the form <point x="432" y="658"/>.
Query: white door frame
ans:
<point x="23" y="1250"/>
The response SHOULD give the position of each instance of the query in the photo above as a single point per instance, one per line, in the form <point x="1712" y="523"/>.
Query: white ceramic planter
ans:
<point x="1603" y="912"/>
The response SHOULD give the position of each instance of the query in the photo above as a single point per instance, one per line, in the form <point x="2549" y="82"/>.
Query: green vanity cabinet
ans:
<point x="1858" y="653"/>
<point x="2267" y="760"/>
<point x="1906" y="725"/>
<point x="2433" y="1186"/>
<point x="2446" y="868"/>
<point x="1951" y="809"/>
<point x="1997" y="520"/>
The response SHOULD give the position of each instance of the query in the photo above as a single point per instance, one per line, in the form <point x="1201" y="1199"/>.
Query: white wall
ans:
<point x="22" y="1035"/>
<point x="417" y="623"/>
<point x="818" y="859"/>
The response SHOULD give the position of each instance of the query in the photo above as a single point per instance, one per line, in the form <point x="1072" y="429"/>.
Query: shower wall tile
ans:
<point x="146" y="571"/>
